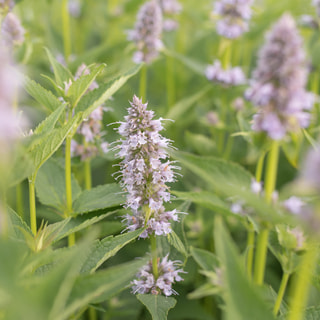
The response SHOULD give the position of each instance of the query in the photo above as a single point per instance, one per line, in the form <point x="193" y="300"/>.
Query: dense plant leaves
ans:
<point x="101" y="197"/>
<point x="157" y="305"/>
<point x="102" y="250"/>
<point x="45" y="97"/>
<point x="205" y="259"/>
<point x="97" y="97"/>
<point x="243" y="301"/>
<point x="207" y="289"/>
<point x="176" y="242"/>
<point x="19" y="226"/>
<point x="51" y="186"/>
<point x="101" y="285"/>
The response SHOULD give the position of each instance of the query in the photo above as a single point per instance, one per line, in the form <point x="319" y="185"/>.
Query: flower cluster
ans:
<point x="234" y="17"/>
<point x="12" y="31"/>
<point x="6" y="5"/>
<point x="168" y="274"/>
<point x="74" y="7"/>
<point x="170" y="8"/>
<point x="310" y="173"/>
<point x="233" y="76"/>
<point x="147" y="32"/>
<point x="278" y="84"/>
<point x="316" y="4"/>
<point x="90" y="129"/>
<point x="144" y="171"/>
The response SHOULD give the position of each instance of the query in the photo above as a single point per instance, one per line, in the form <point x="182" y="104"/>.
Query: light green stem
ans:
<point x="32" y="204"/>
<point x="153" y="241"/>
<point x="170" y="81"/>
<point x="250" y="248"/>
<point x="271" y="170"/>
<point x="259" y="167"/>
<point x="66" y="29"/>
<point x="261" y="256"/>
<point x="87" y="174"/>
<point x="143" y="83"/>
<point x="301" y="286"/>
<point x="19" y="199"/>
<point x="92" y="314"/>
<point x="282" y="289"/>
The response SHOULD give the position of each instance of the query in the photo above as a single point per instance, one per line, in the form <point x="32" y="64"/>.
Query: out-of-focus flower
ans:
<point x="6" y="5"/>
<point x="238" y="104"/>
<point x="213" y="118"/>
<point x="12" y="31"/>
<point x="256" y="187"/>
<point x="294" y="205"/>
<point x="308" y="21"/>
<point x="144" y="171"/>
<point x="147" y="32"/>
<point x="278" y="83"/>
<point x="170" y="8"/>
<point x="74" y="8"/>
<point x="234" y="17"/>
<point x="310" y="172"/>
<point x="168" y="275"/>
<point x="316" y="4"/>
<point x="232" y="76"/>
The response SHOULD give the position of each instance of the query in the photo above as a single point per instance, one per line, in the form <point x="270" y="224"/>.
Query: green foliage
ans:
<point x="157" y="305"/>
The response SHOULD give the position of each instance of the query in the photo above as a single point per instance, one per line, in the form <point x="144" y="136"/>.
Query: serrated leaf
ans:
<point x="61" y="73"/>
<point x="97" y="97"/>
<point x="205" y="259"/>
<point x="44" y="150"/>
<point x="42" y="95"/>
<point x="51" y="186"/>
<point x="101" y="197"/>
<point x="182" y="106"/>
<point x="100" y="286"/>
<point x="75" y="224"/>
<point x="175" y="241"/>
<point x="19" y="226"/>
<point x="242" y="299"/>
<point x="79" y="87"/>
<point x="106" y="248"/>
<point x="157" y="305"/>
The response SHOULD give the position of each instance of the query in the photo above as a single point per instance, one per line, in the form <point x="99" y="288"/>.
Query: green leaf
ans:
<point x="42" y="95"/>
<point x="44" y="150"/>
<point x="175" y="241"/>
<point x="183" y="106"/>
<point x="79" y="87"/>
<point x="157" y="305"/>
<point x="205" y="290"/>
<point x="19" y="226"/>
<point x="61" y="73"/>
<point x="242" y="299"/>
<point x="51" y="186"/>
<point x="312" y="313"/>
<point x="202" y="144"/>
<point x="97" y="97"/>
<point x="101" y="285"/>
<point x="106" y="248"/>
<point x="101" y="197"/>
<point x="205" y="259"/>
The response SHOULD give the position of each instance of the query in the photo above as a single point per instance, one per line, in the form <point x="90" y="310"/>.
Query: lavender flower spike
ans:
<point x="6" y="5"/>
<point x="147" y="32"/>
<point x="144" y="171"/>
<point x="168" y="274"/>
<point x="234" y="17"/>
<point x="278" y="83"/>
<point x="12" y="31"/>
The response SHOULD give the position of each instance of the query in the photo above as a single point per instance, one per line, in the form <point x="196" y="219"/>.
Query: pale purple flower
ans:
<point x="12" y="32"/>
<point x="232" y="76"/>
<point x="234" y="16"/>
<point x="256" y="187"/>
<point x="147" y="32"/>
<point x="310" y="172"/>
<point x="145" y="171"/>
<point x="6" y="4"/>
<point x="278" y="83"/>
<point x="308" y="21"/>
<point x="168" y="275"/>
<point x="316" y="4"/>
<point x="294" y="205"/>
<point x="74" y="7"/>
<point x="170" y="8"/>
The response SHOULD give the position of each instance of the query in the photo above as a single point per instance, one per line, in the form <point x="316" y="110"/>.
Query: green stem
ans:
<point x="87" y="174"/>
<point x="228" y="149"/>
<point x="66" y="29"/>
<point x="153" y="241"/>
<point x="143" y="83"/>
<point x="250" y="248"/>
<point x="301" y="286"/>
<point x="19" y="199"/>
<point x="170" y="81"/>
<point x="261" y="256"/>
<point x="32" y="204"/>
<point x="282" y="289"/>
<point x="271" y="170"/>
<point x="92" y="314"/>
<point x="259" y="167"/>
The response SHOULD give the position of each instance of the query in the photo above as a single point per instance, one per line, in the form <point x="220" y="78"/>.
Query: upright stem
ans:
<point x="250" y="248"/>
<point x="282" y="289"/>
<point x="143" y="83"/>
<point x="19" y="199"/>
<point x="301" y="285"/>
<point x="262" y="241"/>
<point x="87" y="174"/>
<point x="66" y="29"/>
<point x="170" y="81"/>
<point x="32" y="204"/>
<point x="259" y="167"/>
<point x="153" y="241"/>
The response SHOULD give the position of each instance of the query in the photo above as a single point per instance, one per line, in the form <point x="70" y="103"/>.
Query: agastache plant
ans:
<point x="147" y="32"/>
<point x="234" y="16"/>
<point x="12" y="31"/>
<point x="278" y="82"/>
<point x="145" y="170"/>
<point x="170" y="8"/>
